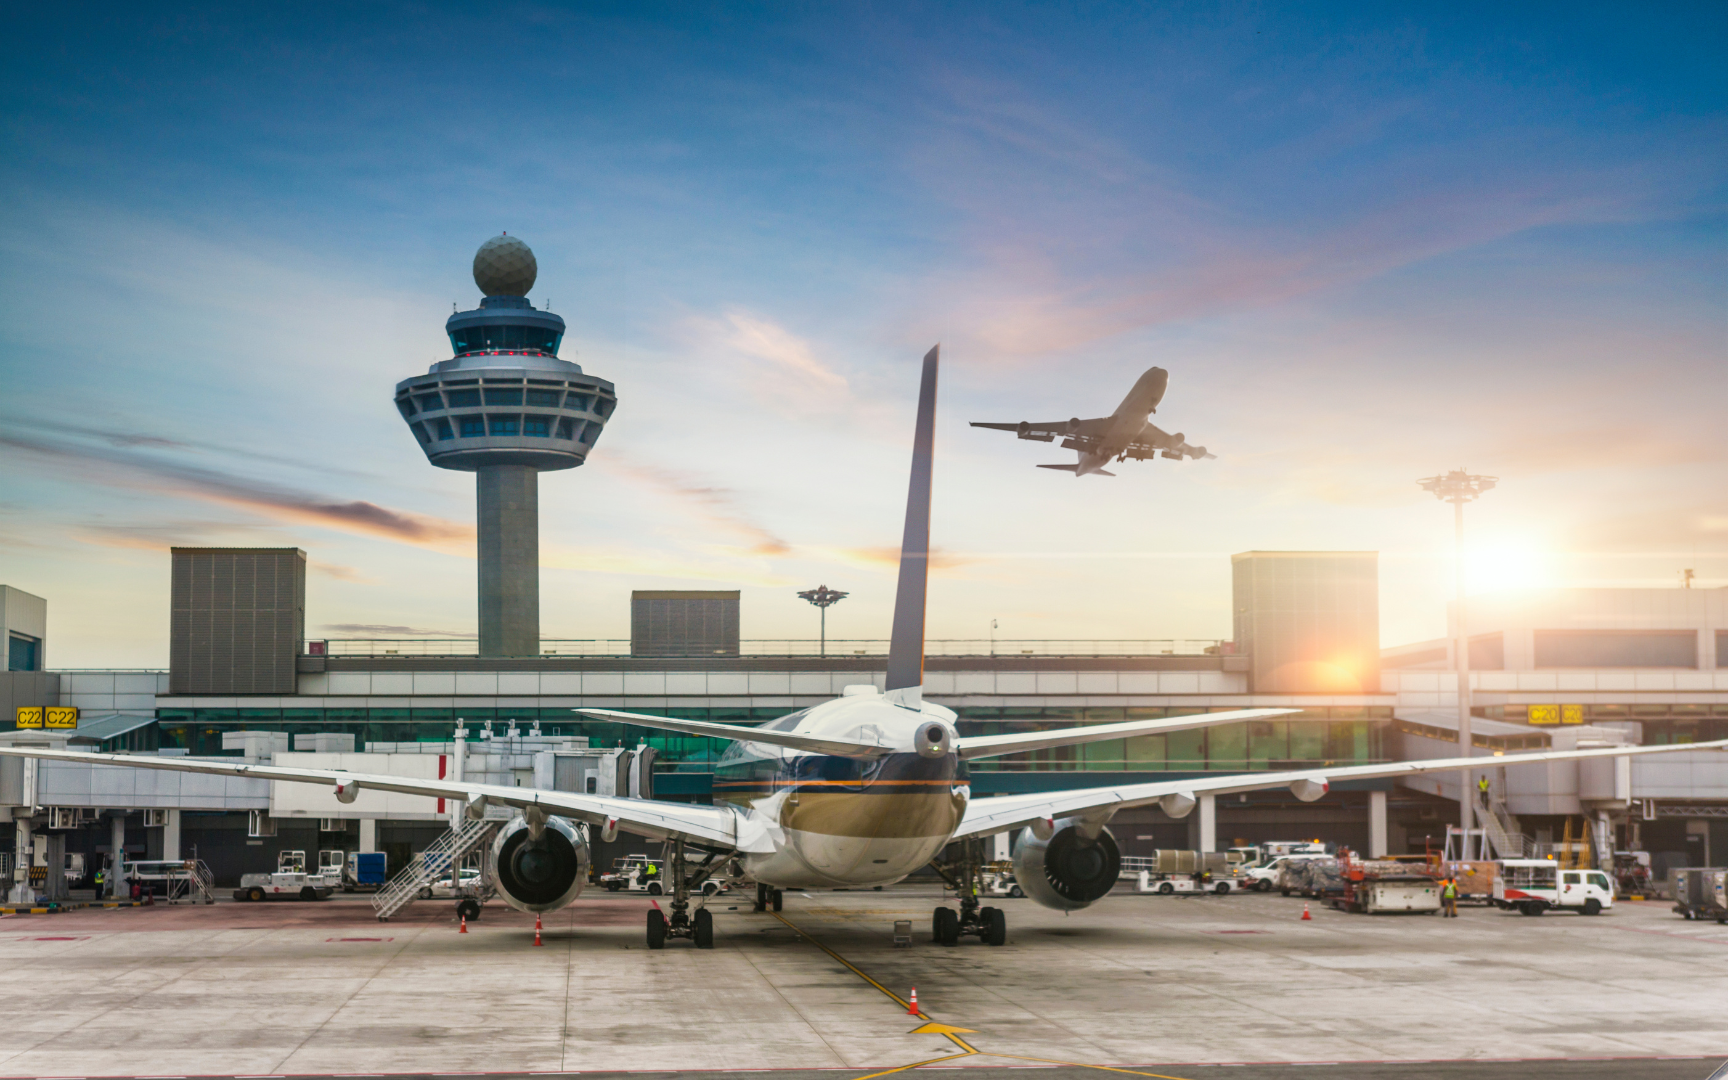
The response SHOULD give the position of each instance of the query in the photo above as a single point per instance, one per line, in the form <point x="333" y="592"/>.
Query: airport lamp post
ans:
<point x="1459" y="487"/>
<point x="824" y="598"/>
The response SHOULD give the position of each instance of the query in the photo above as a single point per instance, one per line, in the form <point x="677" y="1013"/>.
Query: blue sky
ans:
<point x="1368" y="247"/>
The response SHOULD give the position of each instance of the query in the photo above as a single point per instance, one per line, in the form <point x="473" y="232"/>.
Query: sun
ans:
<point x="1506" y="567"/>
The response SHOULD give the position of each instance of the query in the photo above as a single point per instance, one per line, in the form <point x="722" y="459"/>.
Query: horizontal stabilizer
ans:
<point x="981" y="746"/>
<point x="1062" y="468"/>
<point x="808" y="743"/>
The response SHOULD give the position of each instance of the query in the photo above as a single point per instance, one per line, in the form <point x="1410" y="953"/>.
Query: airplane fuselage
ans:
<point x="844" y="821"/>
<point x="1127" y="421"/>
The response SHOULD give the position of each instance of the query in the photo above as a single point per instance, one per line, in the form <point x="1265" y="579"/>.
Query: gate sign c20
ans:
<point x="64" y="717"/>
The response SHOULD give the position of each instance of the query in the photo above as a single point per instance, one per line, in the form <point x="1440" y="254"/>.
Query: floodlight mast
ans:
<point x="1459" y="487"/>
<point x="824" y="598"/>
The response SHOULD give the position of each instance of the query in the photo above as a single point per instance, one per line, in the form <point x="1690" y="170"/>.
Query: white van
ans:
<point x="1265" y="878"/>
<point x="1535" y="885"/>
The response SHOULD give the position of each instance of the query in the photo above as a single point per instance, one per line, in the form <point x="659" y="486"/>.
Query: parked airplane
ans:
<point x="1125" y="433"/>
<point x="858" y="791"/>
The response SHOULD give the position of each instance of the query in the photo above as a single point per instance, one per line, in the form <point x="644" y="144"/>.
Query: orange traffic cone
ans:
<point x="912" y="1006"/>
<point x="537" y="930"/>
<point x="1305" y="916"/>
<point x="464" y="929"/>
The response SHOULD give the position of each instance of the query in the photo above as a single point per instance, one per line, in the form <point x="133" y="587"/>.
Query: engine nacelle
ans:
<point x="1066" y="872"/>
<point x="540" y="875"/>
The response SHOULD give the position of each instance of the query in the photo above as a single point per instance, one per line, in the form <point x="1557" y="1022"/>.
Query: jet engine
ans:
<point x="1066" y="872"/>
<point x="543" y="874"/>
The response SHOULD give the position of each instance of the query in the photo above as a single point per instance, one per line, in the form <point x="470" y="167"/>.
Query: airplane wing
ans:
<point x="808" y="743"/>
<point x="999" y="813"/>
<point x="717" y="825"/>
<point x="1076" y="431"/>
<point x="982" y="746"/>
<point x="1153" y="441"/>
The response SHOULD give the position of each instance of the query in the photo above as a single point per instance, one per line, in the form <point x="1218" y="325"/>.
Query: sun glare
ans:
<point x="1507" y="567"/>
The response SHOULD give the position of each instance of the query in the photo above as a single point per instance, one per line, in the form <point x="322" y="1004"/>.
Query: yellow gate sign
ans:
<point x="1544" y="714"/>
<point x="1571" y="714"/>
<point x="29" y="716"/>
<point x="64" y="717"/>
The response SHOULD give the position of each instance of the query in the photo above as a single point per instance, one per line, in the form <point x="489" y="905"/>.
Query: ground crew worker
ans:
<point x="1482" y="787"/>
<point x="1449" y="897"/>
<point x="650" y="871"/>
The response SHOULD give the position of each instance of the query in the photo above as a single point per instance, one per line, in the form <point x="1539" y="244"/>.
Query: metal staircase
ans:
<point x="1502" y="830"/>
<point x="443" y="857"/>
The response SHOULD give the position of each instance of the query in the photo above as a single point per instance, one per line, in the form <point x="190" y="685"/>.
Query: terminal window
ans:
<point x="431" y="401"/>
<point x="23" y="652"/>
<point x="566" y="428"/>
<point x="473" y="427"/>
<point x="537" y="426"/>
<point x="543" y="397"/>
<point x="503" y="425"/>
<point x="444" y="431"/>
<point x="1616" y="648"/>
<point x="511" y="396"/>
<point x="462" y="398"/>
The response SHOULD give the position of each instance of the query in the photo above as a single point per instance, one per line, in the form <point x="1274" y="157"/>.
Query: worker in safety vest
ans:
<point x="1482" y="789"/>
<point x="650" y="871"/>
<point x="1449" y="897"/>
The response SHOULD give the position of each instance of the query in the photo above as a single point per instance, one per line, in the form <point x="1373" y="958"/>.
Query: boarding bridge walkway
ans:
<point x="443" y="857"/>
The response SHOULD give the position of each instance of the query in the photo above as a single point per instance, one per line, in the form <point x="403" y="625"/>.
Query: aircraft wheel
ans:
<point x="468" y="909"/>
<point x="995" y="926"/>
<point x="656" y="930"/>
<point x="945" y="926"/>
<point x="776" y="898"/>
<point x="704" y="928"/>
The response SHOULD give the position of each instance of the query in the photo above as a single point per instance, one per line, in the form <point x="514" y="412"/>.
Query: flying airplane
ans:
<point x="858" y="791"/>
<point x="1124" y="434"/>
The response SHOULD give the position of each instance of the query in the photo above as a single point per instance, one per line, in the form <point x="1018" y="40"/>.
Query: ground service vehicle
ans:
<point x="861" y="790"/>
<point x="1266" y="877"/>
<point x="1537" y="885"/>
<point x="998" y="880"/>
<point x="1701" y="893"/>
<point x="289" y="880"/>
<point x="364" y="871"/>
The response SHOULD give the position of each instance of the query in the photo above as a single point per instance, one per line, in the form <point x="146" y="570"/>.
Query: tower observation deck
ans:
<point x="506" y="408"/>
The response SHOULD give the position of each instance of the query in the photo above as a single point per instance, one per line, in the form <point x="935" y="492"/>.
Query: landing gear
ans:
<point x="468" y="909"/>
<point x="964" y="875"/>
<point x="680" y="923"/>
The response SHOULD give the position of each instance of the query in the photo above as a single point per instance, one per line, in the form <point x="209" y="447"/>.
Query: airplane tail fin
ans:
<point x="906" y="649"/>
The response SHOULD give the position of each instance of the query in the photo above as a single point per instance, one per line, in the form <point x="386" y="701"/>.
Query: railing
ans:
<point x="444" y="856"/>
<point x="183" y="880"/>
<point x="836" y="648"/>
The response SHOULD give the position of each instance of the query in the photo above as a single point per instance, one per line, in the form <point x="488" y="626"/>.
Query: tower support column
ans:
<point x="509" y="549"/>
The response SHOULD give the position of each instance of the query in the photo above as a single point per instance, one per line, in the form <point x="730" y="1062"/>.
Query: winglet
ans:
<point x="906" y="650"/>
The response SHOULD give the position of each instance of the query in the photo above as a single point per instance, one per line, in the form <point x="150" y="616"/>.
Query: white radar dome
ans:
<point x="505" y="266"/>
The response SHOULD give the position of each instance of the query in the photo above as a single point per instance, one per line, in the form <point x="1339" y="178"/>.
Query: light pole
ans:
<point x="1459" y="487"/>
<point x="824" y="598"/>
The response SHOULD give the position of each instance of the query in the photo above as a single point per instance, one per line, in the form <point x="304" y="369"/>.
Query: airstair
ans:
<point x="182" y="881"/>
<point x="444" y="857"/>
<point x="1503" y="834"/>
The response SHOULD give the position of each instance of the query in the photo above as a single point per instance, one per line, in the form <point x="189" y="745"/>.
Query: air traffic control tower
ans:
<point x="505" y="408"/>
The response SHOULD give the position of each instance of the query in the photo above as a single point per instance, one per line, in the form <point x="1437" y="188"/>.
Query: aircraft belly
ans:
<point x="859" y="838"/>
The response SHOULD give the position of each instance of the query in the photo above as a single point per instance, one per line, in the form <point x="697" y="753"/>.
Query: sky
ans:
<point x="1370" y="243"/>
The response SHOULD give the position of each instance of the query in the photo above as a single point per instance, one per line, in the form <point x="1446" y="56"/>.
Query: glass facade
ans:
<point x="1314" y="737"/>
<point x="470" y="339"/>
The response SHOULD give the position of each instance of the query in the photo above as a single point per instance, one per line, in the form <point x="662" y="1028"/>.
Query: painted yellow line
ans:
<point x="914" y="1065"/>
<point x="1081" y="1065"/>
<point x="853" y="968"/>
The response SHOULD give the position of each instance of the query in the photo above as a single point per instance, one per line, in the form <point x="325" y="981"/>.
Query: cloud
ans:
<point x="126" y="468"/>
<point x="716" y="506"/>
<point x="390" y="630"/>
<point x="888" y="558"/>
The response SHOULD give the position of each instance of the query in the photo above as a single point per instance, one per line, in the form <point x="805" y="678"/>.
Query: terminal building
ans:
<point x="1559" y="668"/>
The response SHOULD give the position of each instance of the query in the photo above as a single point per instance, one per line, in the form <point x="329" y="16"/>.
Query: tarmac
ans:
<point x="1179" y="987"/>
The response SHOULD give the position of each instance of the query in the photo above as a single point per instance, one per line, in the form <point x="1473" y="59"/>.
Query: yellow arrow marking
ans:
<point x="934" y="1028"/>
